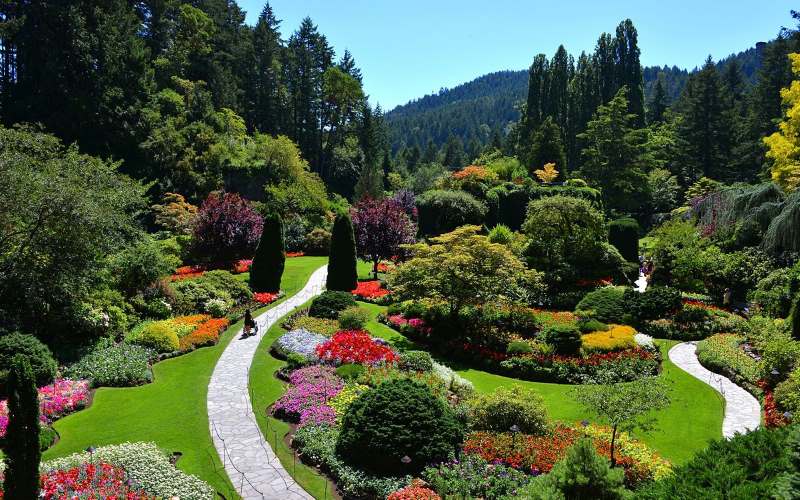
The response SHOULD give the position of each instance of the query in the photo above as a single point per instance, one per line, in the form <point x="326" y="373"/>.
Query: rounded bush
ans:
<point x="500" y="410"/>
<point x="353" y="318"/>
<point x="330" y="303"/>
<point x="443" y="211"/>
<point x="350" y="371"/>
<point x="656" y="302"/>
<point x="604" y="304"/>
<point x="417" y="361"/>
<point x="318" y="242"/>
<point x="592" y="325"/>
<point x="518" y="347"/>
<point x="501" y="234"/>
<point x="39" y="356"/>
<point x="398" y="419"/>
<point x="624" y="235"/>
<point x="565" y="339"/>
<point x="159" y="336"/>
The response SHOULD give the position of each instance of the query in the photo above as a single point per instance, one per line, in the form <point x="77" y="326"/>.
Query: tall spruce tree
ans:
<point x="266" y="85"/>
<point x="270" y="259"/>
<point x="22" y="435"/>
<point x="342" y="273"/>
<point x="546" y="147"/>
<point x="453" y="153"/>
<point x="658" y="103"/>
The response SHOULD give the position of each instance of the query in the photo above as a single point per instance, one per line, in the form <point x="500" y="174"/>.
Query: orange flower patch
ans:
<point x="207" y="333"/>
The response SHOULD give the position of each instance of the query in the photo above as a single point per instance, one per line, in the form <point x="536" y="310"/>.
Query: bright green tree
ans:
<point x="342" y="273"/>
<point x="784" y="145"/>
<point x="270" y="258"/>
<point x="22" y="442"/>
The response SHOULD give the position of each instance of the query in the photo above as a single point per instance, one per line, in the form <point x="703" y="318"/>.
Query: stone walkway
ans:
<point x="249" y="461"/>
<point x="742" y="410"/>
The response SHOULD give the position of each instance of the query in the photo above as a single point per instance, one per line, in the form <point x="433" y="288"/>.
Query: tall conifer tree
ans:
<point x="342" y="273"/>
<point x="270" y="259"/>
<point x="22" y="435"/>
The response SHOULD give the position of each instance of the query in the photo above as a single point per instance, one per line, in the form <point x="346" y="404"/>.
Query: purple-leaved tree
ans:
<point x="381" y="227"/>
<point x="226" y="228"/>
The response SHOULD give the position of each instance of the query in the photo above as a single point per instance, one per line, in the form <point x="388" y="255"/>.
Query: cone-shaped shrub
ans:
<point x="342" y="274"/>
<point x="795" y="317"/>
<point x="22" y="435"/>
<point x="270" y="258"/>
<point x="624" y="234"/>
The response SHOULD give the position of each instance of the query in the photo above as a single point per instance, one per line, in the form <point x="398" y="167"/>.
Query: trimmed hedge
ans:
<point x="605" y="304"/>
<point x="39" y="357"/>
<point x="330" y="303"/>
<point x="624" y="235"/>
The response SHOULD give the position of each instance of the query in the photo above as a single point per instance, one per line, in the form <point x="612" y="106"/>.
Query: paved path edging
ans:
<point x="249" y="460"/>
<point x="742" y="409"/>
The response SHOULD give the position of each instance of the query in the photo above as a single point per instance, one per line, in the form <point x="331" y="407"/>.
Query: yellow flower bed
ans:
<point x="342" y="401"/>
<point x="650" y="464"/>
<point x="617" y="338"/>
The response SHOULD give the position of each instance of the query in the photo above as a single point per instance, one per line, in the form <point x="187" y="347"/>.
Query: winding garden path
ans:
<point x="249" y="461"/>
<point x="742" y="410"/>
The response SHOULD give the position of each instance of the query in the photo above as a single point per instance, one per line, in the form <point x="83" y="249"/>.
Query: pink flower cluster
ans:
<point x="417" y="324"/>
<point x="56" y="400"/>
<point x="306" y="400"/>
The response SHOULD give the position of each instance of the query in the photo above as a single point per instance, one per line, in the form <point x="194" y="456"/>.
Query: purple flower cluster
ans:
<point x="300" y="341"/>
<point x="305" y="401"/>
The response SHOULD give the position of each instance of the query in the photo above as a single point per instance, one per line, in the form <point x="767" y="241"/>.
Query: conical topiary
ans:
<point x="270" y="258"/>
<point x="795" y="317"/>
<point x="22" y="435"/>
<point x="342" y="274"/>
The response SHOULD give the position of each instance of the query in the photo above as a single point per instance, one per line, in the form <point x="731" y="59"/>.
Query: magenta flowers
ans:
<point x="305" y="401"/>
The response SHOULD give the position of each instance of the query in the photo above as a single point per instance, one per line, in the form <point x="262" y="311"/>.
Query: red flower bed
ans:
<point x="294" y="254"/>
<point x="702" y="305"/>
<point x="242" y="266"/>
<point x="370" y="290"/>
<point x="207" y="333"/>
<point x="89" y="481"/>
<point x="416" y="491"/>
<point x="187" y="272"/>
<point x="265" y="297"/>
<point x="596" y="283"/>
<point x="354" y="346"/>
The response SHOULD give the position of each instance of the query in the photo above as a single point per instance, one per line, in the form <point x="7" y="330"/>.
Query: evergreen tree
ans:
<point x="412" y="157"/>
<point x="342" y="273"/>
<point x="453" y="153"/>
<point x="658" y="104"/>
<point x="348" y="65"/>
<point x="270" y="259"/>
<point x="22" y="435"/>
<point x="546" y="147"/>
<point x="370" y="183"/>
<point x="629" y="69"/>
<point x="795" y="317"/>
<point x="431" y="153"/>
<point x="538" y="88"/>
<point x="266" y="85"/>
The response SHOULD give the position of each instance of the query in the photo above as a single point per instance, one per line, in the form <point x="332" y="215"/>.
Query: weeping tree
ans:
<point x="22" y="435"/>
<point x="342" y="273"/>
<point x="783" y="233"/>
<point x="794" y="315"/>
<point x="270" y="258"/>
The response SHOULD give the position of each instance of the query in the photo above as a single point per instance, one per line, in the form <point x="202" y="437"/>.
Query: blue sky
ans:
<point x="408" y="48"/>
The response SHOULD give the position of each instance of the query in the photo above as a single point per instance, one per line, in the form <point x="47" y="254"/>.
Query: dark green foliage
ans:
<point x="443" y="211"/>
<point x="350" y="371"/>
<point x="342" y="274"/>
<point x="581" y="475"/>
<point x="295" y="361"/>
<point x="22" y="449"/>
<point x="418" y="361"/>
<point x="589" y="325"/>
<point x="330" y="303"/>
<point x="788" y="485"/>
<point x="270" y="259"/>
<point x="565" y="339"/>
<point x="746" y="466"/>
<point x="624" y="234"/>
<point x="656" y="302"/>
<point x="795" y="316"/>
<point x="39" y="357"/>
<point x="518" y="347"/>
<point x="605" y="304"/>
<point x="47" y="436"/>
<point x="396" y="419"/>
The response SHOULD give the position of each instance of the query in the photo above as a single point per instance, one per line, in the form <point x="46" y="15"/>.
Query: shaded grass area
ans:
<point x="171" y="411"/>
<point x="693" y="418"/>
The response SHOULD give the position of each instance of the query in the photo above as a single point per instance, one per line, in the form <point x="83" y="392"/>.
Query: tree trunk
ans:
<point x="613" y="442"/>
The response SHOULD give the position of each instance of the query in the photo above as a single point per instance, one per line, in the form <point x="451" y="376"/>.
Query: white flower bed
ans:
<point x="300" y="341"/>
<point x="643" y="340"/>
<point x="147" y="466"/>
<point x="453" y="380"/>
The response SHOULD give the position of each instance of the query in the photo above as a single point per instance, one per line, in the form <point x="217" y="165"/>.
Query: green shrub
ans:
<point x="501" y="234"/>
<point x="342" y="274"/>
<point x="318" y="242"/>
<point x="518" y="347"/>
<point x="605" y="304"/>
<point x="745" y="466"/>
<point x="398" y="418"/>
<point x="228" y="283"/>
<point x="565" y="339"/>
<point x="443" y="211"/>
<point x="503" y="408"/>
<point x="590" y="325"/>
<point x="22" y="443"/>
<point x="774" y="293"/>
<point x="270" y="258"/>
<point x="350" y="371"/>
<point x="322" y="326"/>
<point x="795" y="317"/>
<point x="787" y="393"/>
<point x="39" y="357"/>
<point x="624" y="235"/>
<point x="353" y="318"/>
<point x="47" y="436"/>
<point x="113" y="365"/>
<point x="722" y="354"/>
<point x="416" y="361"/>
<point x="329" y="303"/>
<point x="158" y="335"/>
<point x="657" y="302"/>
<point x="295" y="361"/>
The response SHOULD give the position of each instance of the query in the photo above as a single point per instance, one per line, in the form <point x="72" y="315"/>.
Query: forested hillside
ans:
<point x="473" y="111"/>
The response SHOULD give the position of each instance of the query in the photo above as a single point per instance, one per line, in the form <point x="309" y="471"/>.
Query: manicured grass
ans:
<point x="265" y="389"/>
<point x="172" y="410"/>
<point x="692" y="420"/>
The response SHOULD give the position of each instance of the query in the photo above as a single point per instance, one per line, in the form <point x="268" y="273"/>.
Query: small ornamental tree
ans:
<point x="22" y="443"/>
<point x="381" y="227"/>
<point x="270" y="259"/>
<point x="226" y="228"/>
<point x="342" y="273"/>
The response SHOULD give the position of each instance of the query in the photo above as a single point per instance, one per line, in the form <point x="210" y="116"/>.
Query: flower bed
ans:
<point x="355" y="346"/>
<point x="145" y="465"/>
<point x="114" y="365"/>
<point x="415" y="491"/>
<point x="300" y="341"/>
<point x="305" y="401"/>
<point x="294" y="254"/>
<point x="207" y="333"/>
<point x="616" y="338"/>
<point x="187" y="272"/>
<point x="90" y="480"/>
<point x="370" y="291"/>
<point x="242" y="266"/>
<point x="722" y="354"/>
<point x="265" y="297"/>
<point x="62" y="397"/>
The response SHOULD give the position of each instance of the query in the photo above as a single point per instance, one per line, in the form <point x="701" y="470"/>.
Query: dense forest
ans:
<point x="474" y="111"/>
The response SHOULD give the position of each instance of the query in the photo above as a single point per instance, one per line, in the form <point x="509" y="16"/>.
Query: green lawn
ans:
<point x="172" y="410"/>
<point x="693" y="418"/>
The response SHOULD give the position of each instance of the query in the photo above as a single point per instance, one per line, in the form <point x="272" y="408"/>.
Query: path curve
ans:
<point x="249" y="460"/>
<point x="742" y="410"/>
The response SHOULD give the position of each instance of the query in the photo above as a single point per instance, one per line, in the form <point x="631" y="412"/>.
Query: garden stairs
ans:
<point x="249" y="460"/>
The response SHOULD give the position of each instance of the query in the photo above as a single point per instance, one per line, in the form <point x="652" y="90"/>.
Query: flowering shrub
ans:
<point x="146" y="466"/>
<point x="370" y="290"/>
<point x="342" y="401"/>
<point x="311" y="389"/>
<point x="616" y="338"/>
<point x="114" y="365"/>
<point x="772" y="416"/>
<point x="242" y="266"/>
<point x="647" y="464"/>
<point x="89" y="480"/>
<point x="376" y="375"/>
<point x="301" y="342"/>
<point x="294" y="254"/>
<point x="722" y="354"/>
<point x="62" y="397"/>
<point x="355" y="346"/>
<point x="415" y="491"/>
<point x="474" y="477"/>
<point x="265" y="297"/>
<point x="207" y="333"/>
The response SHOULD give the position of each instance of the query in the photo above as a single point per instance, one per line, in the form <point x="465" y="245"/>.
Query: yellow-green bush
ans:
<point x="616" y="338"/>
<point x="158" y="335"/>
